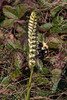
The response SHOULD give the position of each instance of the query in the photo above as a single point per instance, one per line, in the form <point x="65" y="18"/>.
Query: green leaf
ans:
<point x="18" y="44"/>
<point x="45" y="3"/>
<point x="55" y="86"/>
<point x="55" y="10"/>
<point x="64" y="27"/>
<point x="54" y="39"/>
<point x="46" y="70"/>
<point x="36" y="75"/>
<point x="1" y="47"/>
<point x="53" y="45"/>
<point x="42" y="80"/>
<point x="10" y="12"/>
<point x="20" y="10"/>
<point x="14" y="44"/>
<point x="15" y="74"/>
<point x="8" y="23"/>
<point x="55" y="30"/>
<point x="56" y="73"/>
<point x="46" y="26"/>
<point x="58" y="20"/>
<point x="17" y="2"/>
<point x="18" y="60"/>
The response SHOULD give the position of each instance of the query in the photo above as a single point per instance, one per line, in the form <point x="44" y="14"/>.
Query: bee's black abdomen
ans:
<point x="42" y="51"/>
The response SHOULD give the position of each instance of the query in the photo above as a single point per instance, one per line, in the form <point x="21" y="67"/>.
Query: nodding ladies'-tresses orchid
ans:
<point x="32" y="39"/>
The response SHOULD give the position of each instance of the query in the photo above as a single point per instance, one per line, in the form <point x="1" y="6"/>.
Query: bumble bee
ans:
<point x="42" y="49"/>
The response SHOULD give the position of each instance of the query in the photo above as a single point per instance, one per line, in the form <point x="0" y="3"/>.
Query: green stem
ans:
<point x="29" y="85"/>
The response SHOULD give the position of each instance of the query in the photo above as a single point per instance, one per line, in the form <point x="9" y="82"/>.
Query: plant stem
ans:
<point x="29" y="85"/>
